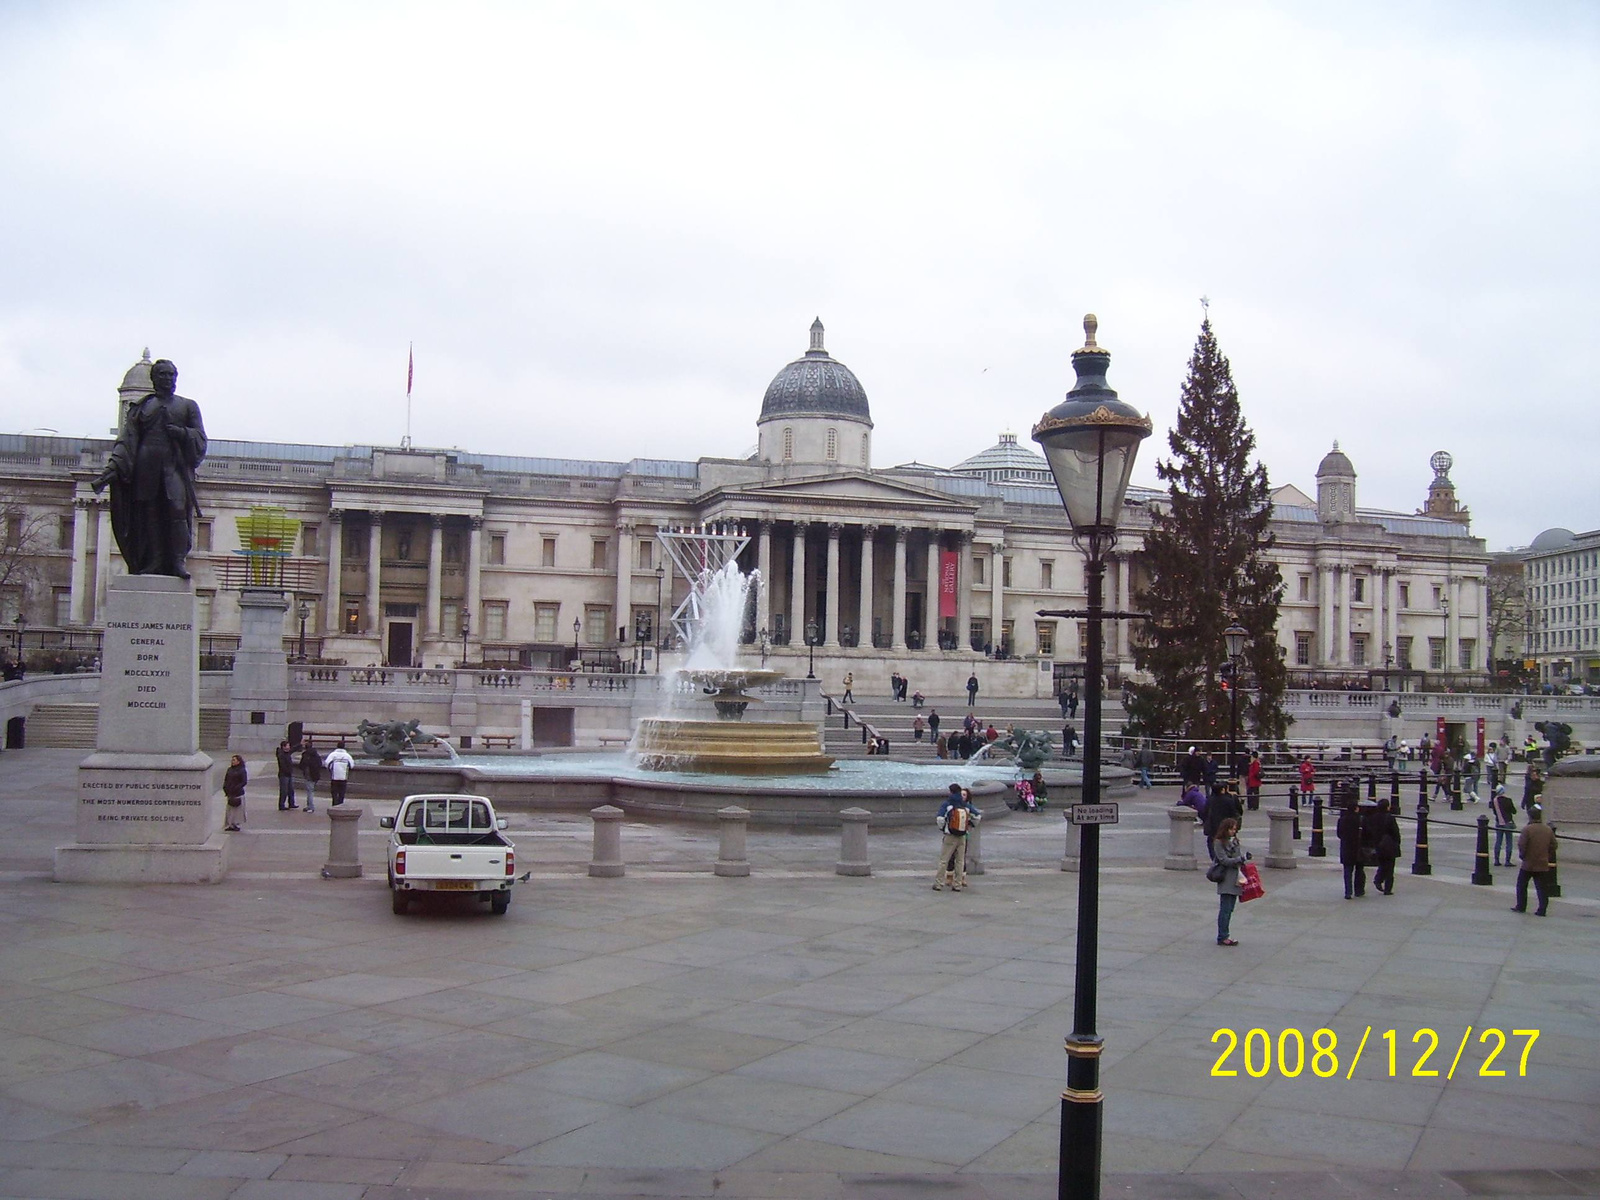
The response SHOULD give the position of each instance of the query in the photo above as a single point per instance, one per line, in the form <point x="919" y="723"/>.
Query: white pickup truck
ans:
<point x="449" y="843"/>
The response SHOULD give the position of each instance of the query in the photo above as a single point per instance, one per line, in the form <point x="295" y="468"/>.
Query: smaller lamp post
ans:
<point x="661" y="579"/>
<point x="22" y="628"/>
<point x="1235" y="636"/>
<point x="466" y="628"/>
<point x="303" y="612"/>
<point x="577" y="626"/>
<point x="811" y="649"/>
<point x="1444" y="642"/>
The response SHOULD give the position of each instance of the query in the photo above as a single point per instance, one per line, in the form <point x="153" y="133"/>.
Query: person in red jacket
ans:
<point x="1252" y="781"/>
<point x="1308" y="776"/>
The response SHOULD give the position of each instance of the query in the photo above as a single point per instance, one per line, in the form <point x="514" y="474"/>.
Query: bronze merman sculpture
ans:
<point x="151" y="472"/>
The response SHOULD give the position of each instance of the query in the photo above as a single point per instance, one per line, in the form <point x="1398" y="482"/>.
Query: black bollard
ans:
<point x="1480" y="869"/>
<point x="846" y="713"/>
<point x="1455" y="792"/>
<point x="1372" y="786"/>
<point x="1422" y="786"/>
<point x="1552" y="883"/>
<point x="1394" y="792"/>
<point x="1316" y="849"/>
<point x="1294" y="807"/>
<point x="1419" y="861"/>
<point x="863" y="735"/>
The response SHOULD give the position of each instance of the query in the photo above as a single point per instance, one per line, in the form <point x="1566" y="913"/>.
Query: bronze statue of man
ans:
<point x="151" y="473"/>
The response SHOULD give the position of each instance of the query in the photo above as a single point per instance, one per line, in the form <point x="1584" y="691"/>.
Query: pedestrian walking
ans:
<point x="1252" y="780"/>
<point x="1223" y="805"/>
<point x="1472" y="772"/>
<point x="310" y="772"/>
<point x="933" y="722"/>
<point x="1308" y="776"/>
<point x="285" y="758"/>
<point x="1229" y="858"/>
<point x="894" y="685"/>
<point x="1491" y="766"/>
<point x="941" y="747"/>
<point x="1072" y="703"/>
<point x="1505" y="825"/>
<point x="1532" y="785"/>
<point x="849" y="696"/>
<point x="972" y="690"/>
<point x="1355" y="856"/>
<point x="1069" y="741"/>
<point x="1061" y="697"/>
<point x="339" y="763"/>
<point x="1535" y="847"/>
<point x="1391" y="751"/>
<point x="955" y="819"/>
<point x="917" y="727"/>
<point x="1381" y="831"/>
<point x="1192" y="770"/>
<point x="233" y="785"/>
<point x="1145" y="760"/>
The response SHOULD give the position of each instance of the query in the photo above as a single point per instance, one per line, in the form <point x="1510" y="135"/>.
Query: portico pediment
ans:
<point x="834" y="494"/>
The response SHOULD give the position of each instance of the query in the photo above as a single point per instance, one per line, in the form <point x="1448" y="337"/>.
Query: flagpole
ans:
<point x="410" y="365"/>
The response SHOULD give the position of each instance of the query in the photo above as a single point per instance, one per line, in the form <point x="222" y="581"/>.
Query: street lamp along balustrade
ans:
<point x="811" y="649"/>
<point x="1235" y="636"/>
<point x="1090" y="440"/>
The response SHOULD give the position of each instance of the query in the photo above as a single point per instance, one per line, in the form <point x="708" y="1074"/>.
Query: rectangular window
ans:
<point x="544" y="622"/>
<point x="1007" y="631"/>
<point x="1466" y="650"/>
<point x="1005" y="572"/>
<point x="1046" y="633"/>
<point x="355" y="543"/>
<point x="1358" y="589"/>
<point x="596" y="624"/>
<point x="310" y="540"/>
<point x="205" y="609"/>
<point x="1405" y="595"/>
<point x="644" y="625"/>
<point x="1305" y="587"/>
<point x="494" y="620"/>
<point x="977" y="570"/>
<point x="455" y="546"/>
<point x="352" y="616"/>
<point x="1435" y="654"/>
<point x="647" y="556"/>
<point x="1302" y="649"/>
<point x="202" y="536"/>
<point x="63" y="599"/>
<point x="64" y="533"/>
<point x="497" y="549"/>
<point x="449" y="619"/>
<point x="978" y="632"/>
<point x="1358" y="649"/>
<point x="598" y="549"/>
<point x="1047" y="577"/>
<point x="1438" y="596"/>
<point x="547" y="552"/>
<point x="13" y="529"/>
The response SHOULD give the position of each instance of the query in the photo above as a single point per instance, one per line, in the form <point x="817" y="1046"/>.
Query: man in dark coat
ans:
<point x="151" y="473"/>
<point x="1536" y="848"/>
<point x="285" y="777"/>
<point x="1222" y="806"/>
<point x="1353" y="853"/>
<point x="1381" y="832"/>
<point x="972" y="689"/>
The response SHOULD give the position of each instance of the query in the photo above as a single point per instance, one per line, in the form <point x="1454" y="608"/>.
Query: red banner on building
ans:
<point x="947" y="583"/>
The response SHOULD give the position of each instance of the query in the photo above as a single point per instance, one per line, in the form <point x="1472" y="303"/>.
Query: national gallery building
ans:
<point x="415" y="556"/>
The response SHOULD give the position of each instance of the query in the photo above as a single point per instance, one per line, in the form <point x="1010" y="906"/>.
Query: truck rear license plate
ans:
<point x="456" y="885"/>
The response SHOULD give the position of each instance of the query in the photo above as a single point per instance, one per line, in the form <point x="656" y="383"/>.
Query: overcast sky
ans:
<point x="606" y="226"/>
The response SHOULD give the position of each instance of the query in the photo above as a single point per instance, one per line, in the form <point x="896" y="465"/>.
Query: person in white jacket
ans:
<point x="339" y="763"/>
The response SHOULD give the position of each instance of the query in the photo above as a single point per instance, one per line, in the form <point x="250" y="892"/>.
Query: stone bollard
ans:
<point x="1070" y="856"/>
<point x="1280" y="839"/>
<point x="732" y="862"/>
<point x="853" y="856"/>
<point x="1180" y="840"/>
<point x="607" y="860"/>
<point x="344" y="854"/>
<point x="975" y="849"/>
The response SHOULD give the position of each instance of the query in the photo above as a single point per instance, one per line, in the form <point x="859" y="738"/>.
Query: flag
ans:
<point x="410" y="368"/>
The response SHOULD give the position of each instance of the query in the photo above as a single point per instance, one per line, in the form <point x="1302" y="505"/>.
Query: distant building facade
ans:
<point x="410" y="555"/>
<point x="1561" y="583"/>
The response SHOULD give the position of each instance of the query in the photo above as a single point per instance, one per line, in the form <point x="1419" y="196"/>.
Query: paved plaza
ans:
<point x="795" y="1034"/>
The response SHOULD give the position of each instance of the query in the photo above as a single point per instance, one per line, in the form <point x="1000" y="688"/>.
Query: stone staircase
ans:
<point x="74" y="726"/>
<point x="893" y="720"/>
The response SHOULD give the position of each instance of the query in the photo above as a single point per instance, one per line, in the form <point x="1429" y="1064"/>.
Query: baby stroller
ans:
<point x="1024" y="800"/>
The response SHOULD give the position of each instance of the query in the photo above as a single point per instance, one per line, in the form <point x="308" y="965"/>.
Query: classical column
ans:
<point x="102" y="560"/>
<point x="964" y="591"/>
<point x="475" y="576"/>
<point x="333" y="601"/>
<point x="435" y="577"/>
<point x="797" y="586"/>
<point x="898" y="622"/>
<point x="1341" y="596"/>
<point x="1124" y="604"/>
<point x="374" y="573"/>
<point x="622" y="616"/>
<point x="997" y="592"/>
<point x="1375" y="642"/>
<point x="1325" y="617"/>
<point x="81" y="507"/>
<point x="764" y="565"/>
<point x="869" y="544"/>
<point x="1452" y="629"/>
<point x="835" y="592"/>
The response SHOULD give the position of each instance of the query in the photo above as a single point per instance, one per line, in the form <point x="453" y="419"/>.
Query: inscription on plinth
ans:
<point x="125" y="798"/>
<point x="150" y="667"/>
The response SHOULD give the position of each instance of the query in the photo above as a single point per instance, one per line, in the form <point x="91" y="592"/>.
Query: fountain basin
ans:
<point x="730" y="747"/>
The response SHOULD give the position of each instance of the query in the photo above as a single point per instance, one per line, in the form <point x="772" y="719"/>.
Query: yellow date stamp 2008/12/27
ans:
<point x="1292" y="1054"/>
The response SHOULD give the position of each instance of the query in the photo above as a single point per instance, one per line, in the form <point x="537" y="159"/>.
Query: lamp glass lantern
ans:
<point x="1235" y="636"/>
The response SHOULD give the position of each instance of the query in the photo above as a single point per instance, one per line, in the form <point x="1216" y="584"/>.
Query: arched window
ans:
<point x="866" y="453"/>
<point x="788" y="443"/>
<point x="833" y="444"/>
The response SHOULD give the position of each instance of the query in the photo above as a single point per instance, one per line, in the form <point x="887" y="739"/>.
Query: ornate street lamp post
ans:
<point x="811" y="649"/>
<point x="303" y="612"/>
<point x="1090" y="440"/>
<point x="466" y="628"/>
<point x="22" y="628"/>
<point x="661" y="633"/>
<point x="1235" y="636"/>
<point x="577" y="626"/>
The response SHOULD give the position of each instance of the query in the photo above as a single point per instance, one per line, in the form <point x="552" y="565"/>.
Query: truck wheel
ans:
<point x="499" y="902"/>
<point x="399" y="902"/>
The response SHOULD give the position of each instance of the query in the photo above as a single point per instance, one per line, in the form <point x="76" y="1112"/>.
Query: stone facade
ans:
<point x="415" y="555"/>
<point x="1561" y="586"/>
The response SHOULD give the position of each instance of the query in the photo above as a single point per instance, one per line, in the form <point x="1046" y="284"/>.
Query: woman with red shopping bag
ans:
<point x="1229" y="874"/>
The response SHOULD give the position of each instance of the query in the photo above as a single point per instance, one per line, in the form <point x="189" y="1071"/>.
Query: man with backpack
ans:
<point x="955" y="819"/>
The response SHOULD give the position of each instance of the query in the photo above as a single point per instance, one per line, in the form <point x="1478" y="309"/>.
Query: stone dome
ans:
<point x="815" y="385"/>
<point x="138" y="377"/>
<point x="1006" y="461"/>
<point x="1553" y="539"/>
<point x="1336" y="463"/>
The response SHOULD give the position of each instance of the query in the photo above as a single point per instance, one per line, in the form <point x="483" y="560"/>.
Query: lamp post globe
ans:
<point x="1089" y="440"/>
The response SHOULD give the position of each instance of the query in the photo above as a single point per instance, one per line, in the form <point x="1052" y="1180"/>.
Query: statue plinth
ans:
<point x="148" y="810"/>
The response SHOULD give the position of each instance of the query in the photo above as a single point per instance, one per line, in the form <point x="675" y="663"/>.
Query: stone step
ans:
<point x="76" y="726"/>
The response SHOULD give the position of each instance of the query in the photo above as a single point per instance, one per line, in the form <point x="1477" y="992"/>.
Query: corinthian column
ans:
<point x="623" y="618"/>
<point x="435" y="576"/>
<point x="764" y="565"/>
<point x="964" y="591"/>
<point x="475" y="578"/>
<point x="81" y="508"/>
<point x="869" y="544"/>
<point x="997" y="593"/>
<point x="332" y="602"/>
<point x="899" y="614"/>
<point x="797" y="587"/>
<point x="831" y="637"/>
<point x="374" y="570"/>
